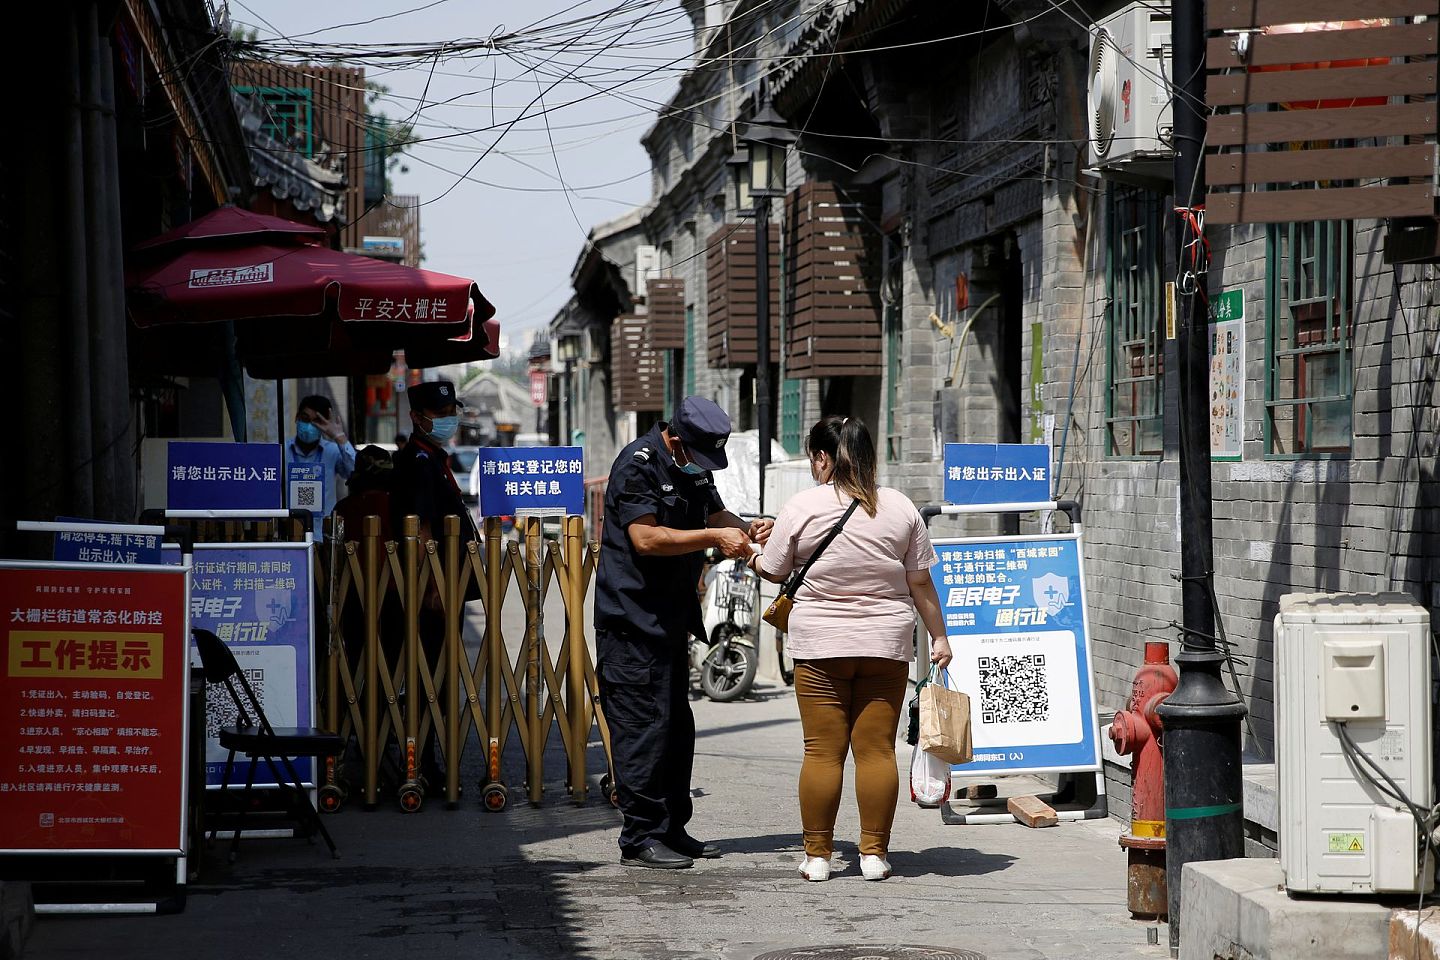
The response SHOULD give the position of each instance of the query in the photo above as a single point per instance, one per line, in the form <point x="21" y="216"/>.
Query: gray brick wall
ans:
<point x="1280" y="526"/>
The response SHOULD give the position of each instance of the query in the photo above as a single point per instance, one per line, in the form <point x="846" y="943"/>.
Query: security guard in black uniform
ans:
<point x="423" y="485"/>
<point x="661" y="512"/>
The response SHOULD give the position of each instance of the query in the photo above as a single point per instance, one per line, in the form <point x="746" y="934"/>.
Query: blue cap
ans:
<point x="704" y="428"/>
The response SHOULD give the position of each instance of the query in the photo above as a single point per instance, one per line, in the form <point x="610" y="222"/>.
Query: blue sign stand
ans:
<point x="997" y="474"/>
<point x="531" y="481"/>
<point x="73" y="546"/>
<point x="217" y="476"/>
<point x="1016" y="617"/>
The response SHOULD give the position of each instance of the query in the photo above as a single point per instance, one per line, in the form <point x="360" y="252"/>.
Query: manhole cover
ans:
<point x="882" y="951"/>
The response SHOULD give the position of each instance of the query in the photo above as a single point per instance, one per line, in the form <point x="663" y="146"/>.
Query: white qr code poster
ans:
<point x="1015" y="614"/>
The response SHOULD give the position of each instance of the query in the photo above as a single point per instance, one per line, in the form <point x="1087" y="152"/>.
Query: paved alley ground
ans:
<point x="547" y="882"/>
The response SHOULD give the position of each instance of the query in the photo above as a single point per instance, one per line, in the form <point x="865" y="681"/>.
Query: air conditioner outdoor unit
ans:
<point x="1130" y="92"/>
<point x="1352" y="742"/>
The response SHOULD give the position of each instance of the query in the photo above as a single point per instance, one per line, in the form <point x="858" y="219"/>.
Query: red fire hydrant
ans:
<point x="1136" y="731"/>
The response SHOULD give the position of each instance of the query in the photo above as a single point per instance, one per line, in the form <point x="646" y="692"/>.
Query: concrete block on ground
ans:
<point x="1032" y="811"/>
<point x="1415" y="935"/>
<point x="1239" y="910"/>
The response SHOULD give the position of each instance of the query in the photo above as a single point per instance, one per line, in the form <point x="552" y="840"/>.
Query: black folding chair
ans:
<point x="253" y="736"/>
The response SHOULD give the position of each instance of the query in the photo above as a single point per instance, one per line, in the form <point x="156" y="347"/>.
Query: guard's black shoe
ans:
<point x="657" y="857"/>
<point x="691" y="847"/>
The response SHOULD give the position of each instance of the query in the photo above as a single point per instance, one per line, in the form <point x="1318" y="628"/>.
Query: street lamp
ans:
<point x="767" y="140"/>
<point x="567" y="351"/>
<point x="739" y="164"/>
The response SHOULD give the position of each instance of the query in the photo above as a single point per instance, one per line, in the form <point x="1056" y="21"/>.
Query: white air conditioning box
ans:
<point x="1361" y="664"/>
<point x="1130" y="91"/>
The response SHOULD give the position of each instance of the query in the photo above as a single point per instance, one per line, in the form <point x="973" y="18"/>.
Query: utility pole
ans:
<point x="1204" y="813"/>
<point x="762" y="334"/>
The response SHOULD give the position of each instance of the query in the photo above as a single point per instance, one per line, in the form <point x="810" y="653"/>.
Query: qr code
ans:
<point x="220" y="708"/>
<point x="306" y="495"/>
<point x="1013" y="689"/>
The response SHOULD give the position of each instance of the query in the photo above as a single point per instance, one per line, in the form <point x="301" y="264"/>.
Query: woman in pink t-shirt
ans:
<point x="851" y="635"/>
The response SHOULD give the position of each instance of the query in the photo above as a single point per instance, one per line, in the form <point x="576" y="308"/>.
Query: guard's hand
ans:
<point x="733" y="543"/>
<point x="760" y="530"/>
<point x="940" y="652"/>
<point x="330" y="428"/>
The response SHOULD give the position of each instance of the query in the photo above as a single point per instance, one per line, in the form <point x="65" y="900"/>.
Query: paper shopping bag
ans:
<point x="945" y="723"/>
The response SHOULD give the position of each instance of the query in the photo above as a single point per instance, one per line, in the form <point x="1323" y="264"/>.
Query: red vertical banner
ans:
<point x="94" y="668"/>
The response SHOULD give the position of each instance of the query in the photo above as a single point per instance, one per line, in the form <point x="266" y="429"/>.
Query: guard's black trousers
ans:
<point x="645" y="693"/>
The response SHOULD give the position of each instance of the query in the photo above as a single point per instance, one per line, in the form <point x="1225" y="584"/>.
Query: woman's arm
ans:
<point x="754" y="564"/>
<point x="927" y="604"/>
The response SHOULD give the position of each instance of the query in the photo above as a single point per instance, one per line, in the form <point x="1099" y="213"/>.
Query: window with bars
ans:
<point x="1309" y="336"/>
<point x="1134" y="416"/>
<point x="791" y="430"/>
<point x="288" y="115"/>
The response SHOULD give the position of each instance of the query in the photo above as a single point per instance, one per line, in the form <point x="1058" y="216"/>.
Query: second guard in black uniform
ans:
<point x="423" y="485"/>
<point x="661" y="512"/>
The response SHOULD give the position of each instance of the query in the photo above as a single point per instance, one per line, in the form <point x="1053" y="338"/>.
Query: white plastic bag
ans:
<point x="929" y="778"/>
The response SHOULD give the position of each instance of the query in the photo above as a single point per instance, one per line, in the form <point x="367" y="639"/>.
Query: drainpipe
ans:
<point x="79" y="490"/>
<point x="100" y="190"/>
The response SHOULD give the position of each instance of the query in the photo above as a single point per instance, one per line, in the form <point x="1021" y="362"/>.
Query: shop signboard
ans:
<point x="1227" y="376"/>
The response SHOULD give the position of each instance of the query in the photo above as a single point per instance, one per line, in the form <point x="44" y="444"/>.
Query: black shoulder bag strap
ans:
<point x="791" y="588"/>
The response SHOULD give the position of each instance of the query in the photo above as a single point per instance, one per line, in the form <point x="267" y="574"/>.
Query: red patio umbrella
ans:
<point x="296" y="308"/>
<point x="288" y="294"/>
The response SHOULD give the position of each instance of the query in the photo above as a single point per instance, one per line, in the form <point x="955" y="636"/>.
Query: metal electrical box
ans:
<point x="1361" y="661"/>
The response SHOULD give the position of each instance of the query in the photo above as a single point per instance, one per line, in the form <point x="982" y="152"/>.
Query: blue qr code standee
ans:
<point x="1015" y="615"/>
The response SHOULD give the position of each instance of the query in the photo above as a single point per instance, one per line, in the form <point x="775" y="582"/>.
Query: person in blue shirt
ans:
<point x="317" y="459"/>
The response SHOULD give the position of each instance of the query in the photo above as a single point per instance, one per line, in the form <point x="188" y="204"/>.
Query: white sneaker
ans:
<point x="874" y="868"/>
<point x="815" y="869"/>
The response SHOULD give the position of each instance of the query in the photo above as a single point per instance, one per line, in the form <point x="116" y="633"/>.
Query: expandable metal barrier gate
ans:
<point x="416" y="699"/>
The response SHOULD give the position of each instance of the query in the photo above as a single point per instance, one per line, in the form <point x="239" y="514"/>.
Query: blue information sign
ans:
<point x="223" y="476"/>
<point x="983" y="473"/>
<point x="531" y="481"/>
<point x="257" y="598"/>
<point x="1014" y="611"/>
<point x="104" y="547"/>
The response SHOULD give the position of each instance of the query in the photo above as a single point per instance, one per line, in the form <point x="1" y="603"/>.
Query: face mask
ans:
<point x="694" y="469"/>
<point x="443" y="428"/>
<point x="306" y="432"/>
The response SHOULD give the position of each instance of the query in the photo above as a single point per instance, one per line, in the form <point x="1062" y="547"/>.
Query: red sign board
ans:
<point x="94" y="669"/>
<point x="538" y="382"/>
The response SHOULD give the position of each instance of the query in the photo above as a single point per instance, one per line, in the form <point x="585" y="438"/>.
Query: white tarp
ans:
<point x="739" y="483"/>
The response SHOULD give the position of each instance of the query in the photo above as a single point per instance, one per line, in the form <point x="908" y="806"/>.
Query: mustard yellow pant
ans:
<point x="849" y="704"/>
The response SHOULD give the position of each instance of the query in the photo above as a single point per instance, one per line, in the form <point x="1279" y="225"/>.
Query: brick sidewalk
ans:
<point x="547" y="883"/>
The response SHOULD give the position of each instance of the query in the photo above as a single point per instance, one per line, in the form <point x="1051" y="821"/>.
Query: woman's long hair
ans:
<point x="847" y="441"/>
